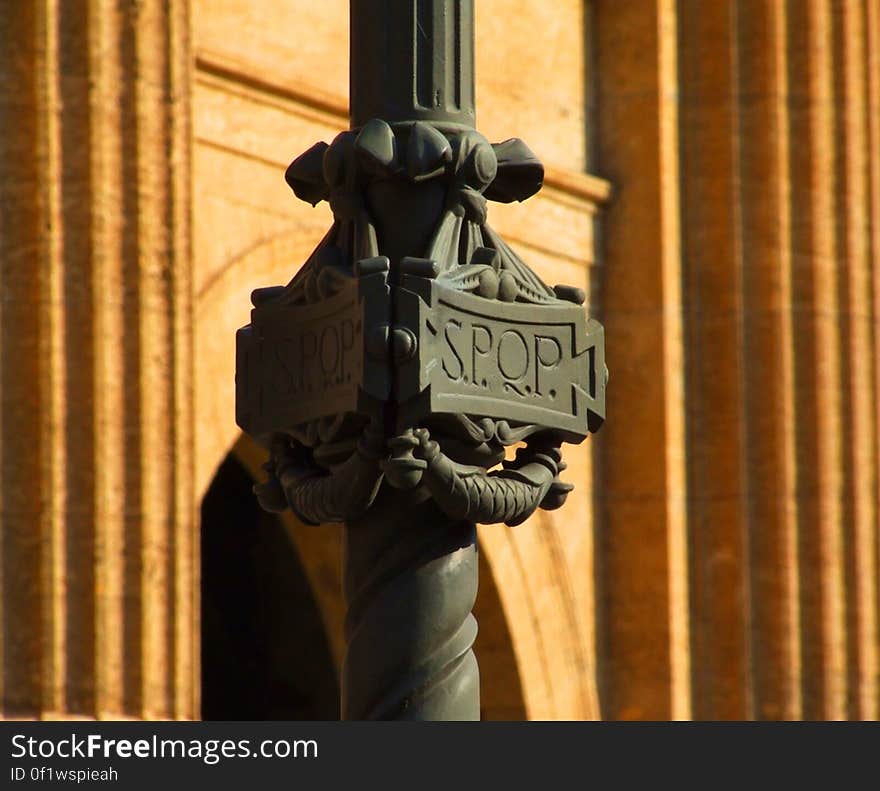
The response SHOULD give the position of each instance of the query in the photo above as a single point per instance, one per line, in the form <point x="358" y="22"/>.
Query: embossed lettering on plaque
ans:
<point x="541" y="364"/>
<point x="299" y="362"/>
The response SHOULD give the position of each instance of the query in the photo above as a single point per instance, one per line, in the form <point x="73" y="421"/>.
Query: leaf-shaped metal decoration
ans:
<point x="520" y="172"/>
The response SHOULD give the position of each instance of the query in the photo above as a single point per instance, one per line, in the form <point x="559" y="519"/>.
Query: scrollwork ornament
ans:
<point x="451" y="460"/>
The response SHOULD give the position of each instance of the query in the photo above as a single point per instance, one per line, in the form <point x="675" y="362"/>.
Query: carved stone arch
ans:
<point x="553" y="643"/>
<point x="536" y="652"/>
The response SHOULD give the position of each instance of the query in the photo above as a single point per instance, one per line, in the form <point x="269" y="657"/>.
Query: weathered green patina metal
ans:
<point x="411" y="349"/>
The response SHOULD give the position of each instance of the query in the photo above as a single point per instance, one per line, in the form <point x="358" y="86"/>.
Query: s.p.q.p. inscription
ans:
<point x="299" y="362"/>
<point x="541" y="364"/>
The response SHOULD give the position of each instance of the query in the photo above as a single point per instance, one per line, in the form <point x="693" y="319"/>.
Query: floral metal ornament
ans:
<point x="481" y="352"/>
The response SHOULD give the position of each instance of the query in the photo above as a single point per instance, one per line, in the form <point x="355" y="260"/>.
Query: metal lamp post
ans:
<point x="408" y="353"/>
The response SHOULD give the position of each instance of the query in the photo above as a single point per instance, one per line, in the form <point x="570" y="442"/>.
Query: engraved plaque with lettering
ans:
<point x="299" y="362"/>
<point x="540" y="364"/>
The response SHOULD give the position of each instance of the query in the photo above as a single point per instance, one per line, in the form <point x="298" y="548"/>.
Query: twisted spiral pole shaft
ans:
<point x="410" y="585"/>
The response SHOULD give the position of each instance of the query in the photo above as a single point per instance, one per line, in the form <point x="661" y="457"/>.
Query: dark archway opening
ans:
<point x="265" y="654"/>
<point x="265" y="648"/>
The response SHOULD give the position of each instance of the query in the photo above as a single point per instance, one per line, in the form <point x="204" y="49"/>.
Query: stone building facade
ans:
<point x="712" y="181"/>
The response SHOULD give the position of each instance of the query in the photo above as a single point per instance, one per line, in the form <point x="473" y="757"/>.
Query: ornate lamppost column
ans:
<point x="413" y="348"/>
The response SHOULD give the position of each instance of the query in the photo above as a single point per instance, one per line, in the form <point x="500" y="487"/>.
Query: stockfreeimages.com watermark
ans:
<point x="211" y="751"/>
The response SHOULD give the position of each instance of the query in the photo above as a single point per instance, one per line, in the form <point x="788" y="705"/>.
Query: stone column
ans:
<point x="738" y="501"/>
<point x="97" y="559"/>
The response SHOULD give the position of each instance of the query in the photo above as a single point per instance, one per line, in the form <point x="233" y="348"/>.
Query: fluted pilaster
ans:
<point x="641" y="486"/>
<point x="738" y="507"/>
<point x="98" y="579"/>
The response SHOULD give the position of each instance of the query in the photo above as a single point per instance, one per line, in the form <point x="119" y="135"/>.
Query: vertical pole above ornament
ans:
<point x="412" y="60"/>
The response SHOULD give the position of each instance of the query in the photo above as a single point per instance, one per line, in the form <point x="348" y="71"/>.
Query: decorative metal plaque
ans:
<point x="529" y="363"/>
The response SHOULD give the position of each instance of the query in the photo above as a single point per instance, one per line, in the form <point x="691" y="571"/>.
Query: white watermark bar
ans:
<point x="211" y="751"/>
<point x="327" y="755"/>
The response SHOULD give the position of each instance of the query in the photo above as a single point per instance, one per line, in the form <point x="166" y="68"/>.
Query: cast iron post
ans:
<point x="413" y="348"/>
